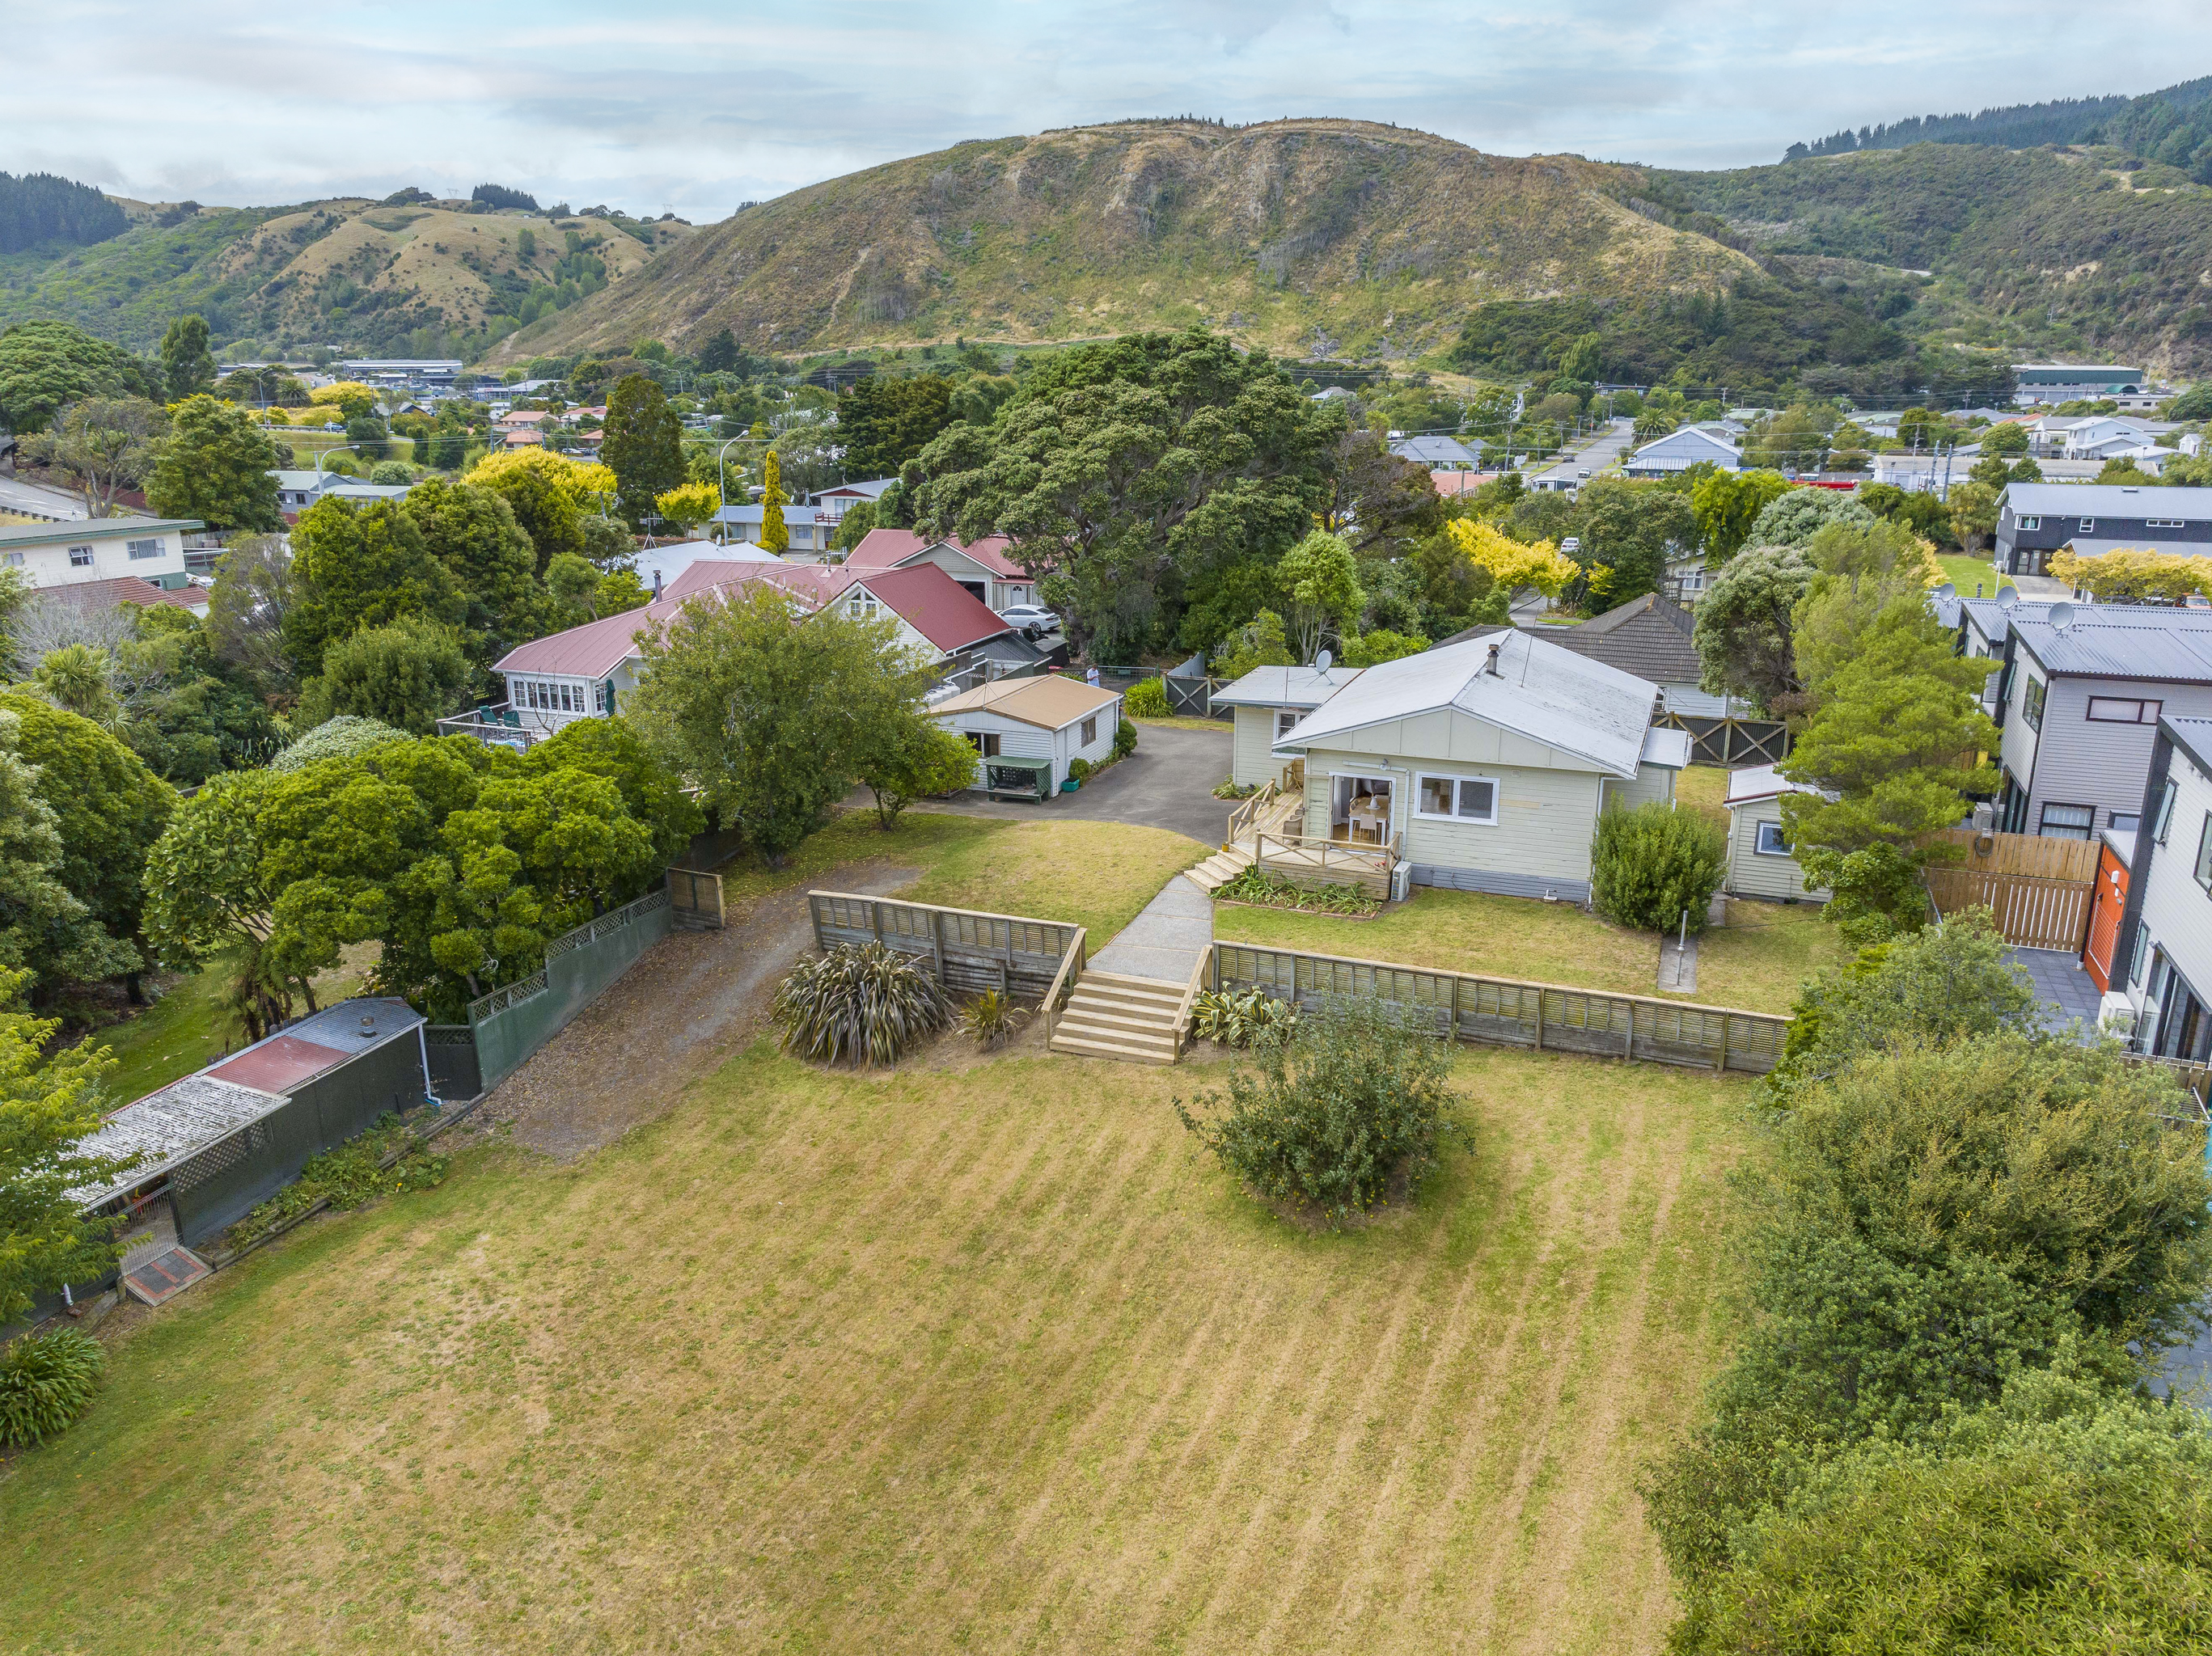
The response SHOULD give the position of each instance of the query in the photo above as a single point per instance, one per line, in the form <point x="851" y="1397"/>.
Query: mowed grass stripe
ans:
<point x="969" y="1356"/>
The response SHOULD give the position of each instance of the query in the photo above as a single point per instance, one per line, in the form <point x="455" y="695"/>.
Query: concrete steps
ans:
<point x="1219" y="869"/>
<point x="1126" y="1018"/>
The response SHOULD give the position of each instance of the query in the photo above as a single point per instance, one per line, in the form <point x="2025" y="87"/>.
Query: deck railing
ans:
<point x="500" y="722"/>
<point x="1247" y="814"/>
<point x="1334" y="862"/>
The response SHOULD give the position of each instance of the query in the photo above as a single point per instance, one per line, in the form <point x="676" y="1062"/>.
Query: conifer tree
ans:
<point x="775" y="537"/>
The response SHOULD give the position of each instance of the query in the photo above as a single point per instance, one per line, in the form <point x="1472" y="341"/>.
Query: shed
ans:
<point x="1030" y="731"/>
<point x="1760" y="863"/>
<point x="1266" y="705"/>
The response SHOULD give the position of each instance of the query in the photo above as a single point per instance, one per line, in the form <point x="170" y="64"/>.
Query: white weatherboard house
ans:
<point x="1760" y="861"/>
<point x="98" y="548"/>
<point x="1681" y="450"/>
<point x="1267" y="704"/>
<point x="1487" y="761"/>
<point x="1028" y="732"/>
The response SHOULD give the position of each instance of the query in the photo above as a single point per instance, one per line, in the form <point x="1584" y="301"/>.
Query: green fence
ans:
<point x="513" y="1023"/>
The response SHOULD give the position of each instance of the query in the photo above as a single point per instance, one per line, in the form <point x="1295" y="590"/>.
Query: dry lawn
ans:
<point x="967" y="1356"/>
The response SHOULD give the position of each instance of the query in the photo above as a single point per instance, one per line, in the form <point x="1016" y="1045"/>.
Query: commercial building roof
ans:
<point x="2107" y="648"/>
<point x="1050" y="703"/>
<point x="1567" y="702"/>
<point x="1285" y="687"/>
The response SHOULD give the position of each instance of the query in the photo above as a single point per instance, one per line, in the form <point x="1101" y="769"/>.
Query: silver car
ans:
<point x="1033" y="619"/>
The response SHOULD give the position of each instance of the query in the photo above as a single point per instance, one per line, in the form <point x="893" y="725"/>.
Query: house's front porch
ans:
<point x="1268" y="829"/>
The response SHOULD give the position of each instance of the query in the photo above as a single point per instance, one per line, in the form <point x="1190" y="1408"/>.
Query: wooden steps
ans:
<point x="1225" y="865"/>
<point x="1110" y="1015"/>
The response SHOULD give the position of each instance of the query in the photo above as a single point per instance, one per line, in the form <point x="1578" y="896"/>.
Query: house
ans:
<point x="1922" y="471"/>
<point x="1440" y="453"/>
<point x="981" y="566"/>
<point x="1760" y="863"/>
<point x="1487" y="761"/>
<point x="98" y="548"/>
<point x="809" y="529"/>
<point x="2108" y="904"/>
<point x="837" y="501"/>
<point x="2074" y="382"/>
<point x="2166" y="932"/>
<point x="134" y="591"/>
<point x="1649" y="637"/>
<point x="1265" y="705"/>
<point x="2078" y="706"/>
<point x="298" y="490"/>
<point x="585" y="673"/>
<point x="659" y="567"/>
<point x="2036" y="520"/>
<point x="523" y="437"/>
<point x="1452" y="484"/>
<point x="1679" y="451"/>
<point x="1030" y="731"/>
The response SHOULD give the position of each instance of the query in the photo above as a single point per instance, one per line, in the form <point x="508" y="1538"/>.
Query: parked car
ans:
<point x="1033" y="619"/>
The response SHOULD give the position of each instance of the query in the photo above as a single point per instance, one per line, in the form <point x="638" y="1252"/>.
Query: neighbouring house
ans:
<point x="1028" y="732"/>
<point x="1453" y="484"/>
<point x="525" y="438"/>
<point x="659" y="567"/>
<point x="2035" y="521"/>
<point x="1440" y="453"/>
<point x="982" y="567"/>
<point x="2108" y="904"/>
<point x="98" y="548"/>
<point x="2166" y="933"/>
<point x="1484" y="763"/>
<point x="1920" y="472"/>
<point x="1761" y="862"/>
<point x="585" y="673"/>
<point x="1681" y="450"/>
<point x="2078" y="706"/>
<point x="837" y="502"/>
<point x="298" y="490"/>
<point x="132" y="591"/>
<point x="810" y="529"/>
<point x="1266" y="705"/>
<point x="1650" y="638"/>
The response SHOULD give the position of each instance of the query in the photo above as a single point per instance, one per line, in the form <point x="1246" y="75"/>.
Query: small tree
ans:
<point x="1974" y="513"/>
<point x="920" y="758"/>
<point x="1728" y="503"/>
<point x="1323" y="587"/>
<point x="1743" y="627"/>
<point x="188" y="368"/>
<point x="2126" y="576"/>
<point x="104" y="444"/>
<point x="408" y="674"/>
<point x="1793" y="519"/>
<point x="774" y="537"/>
<point x="1651" y="864"/>
<point x="689" y="505"/>
<point x="1372" y="649"/>
<point x="1259" y="643"/>
<point x="1512" y="564"/>
<point x="1330" y="1117"/>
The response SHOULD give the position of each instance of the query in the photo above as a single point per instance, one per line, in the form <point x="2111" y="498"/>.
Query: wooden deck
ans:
<point x="1266" y="829"/>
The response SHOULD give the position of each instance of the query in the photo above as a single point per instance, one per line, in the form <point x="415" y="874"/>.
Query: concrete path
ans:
<point x="1165" y="941"/>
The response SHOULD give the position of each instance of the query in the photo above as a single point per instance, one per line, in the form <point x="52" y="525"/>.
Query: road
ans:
<point x="33" y="499"/>
<point x="1608" y="445"/>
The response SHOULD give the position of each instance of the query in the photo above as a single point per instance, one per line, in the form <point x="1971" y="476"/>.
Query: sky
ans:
<point x="696" y="108"/>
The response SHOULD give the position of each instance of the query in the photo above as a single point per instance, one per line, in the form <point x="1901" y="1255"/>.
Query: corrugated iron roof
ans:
<point x="172" y="1125"/>
<point x="2101" y="648"/>
<point x="2107" y="500"/>
<point x="887" y="548"/>
<point x="1051" y="703"/>
<point x="2194" y="735"/>
<point x="1285" y="687"/>
<point x="1567" y="702"/>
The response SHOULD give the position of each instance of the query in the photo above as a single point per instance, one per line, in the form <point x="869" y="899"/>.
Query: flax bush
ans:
<point x="46" y="1381"/>
<point x="858" y="1004"/>
<point x="1331" y="1113"/>
<point x="1651" y="862"/>
<point x="1146" y="698"/>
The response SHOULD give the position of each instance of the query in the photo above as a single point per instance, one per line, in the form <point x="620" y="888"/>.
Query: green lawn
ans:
<point x="973" y="1355"/>
<point x="1967" y="573"/>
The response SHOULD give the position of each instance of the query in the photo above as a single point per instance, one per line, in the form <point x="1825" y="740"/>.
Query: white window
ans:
<point x="80" y="557"/>
<point x="1771" y="841"/>
<point x="1459" y="798"/>
<point x="2089" y="526"/>
<point x="2031" y="522"/>
<point x="1287" y="720"/>
<point x="12" y="559"/>
<point x="149" y="549"/>
<point x="1090" y="731"/>
<point x="2164" y="523"/>
<point x="2112" y="710"/>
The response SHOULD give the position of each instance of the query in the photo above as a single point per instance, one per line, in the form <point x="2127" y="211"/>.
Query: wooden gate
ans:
<point x="1731" y="741"/>
<point x="697" y="899"/>
<point x="1191" y="698"/>
<point x="2039" y="890"/>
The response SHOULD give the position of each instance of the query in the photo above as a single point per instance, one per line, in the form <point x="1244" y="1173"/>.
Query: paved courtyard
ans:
<point x="2069" y="993"/>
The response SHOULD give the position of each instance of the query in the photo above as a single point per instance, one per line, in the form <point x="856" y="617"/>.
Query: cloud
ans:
<point x="698" y="107"/>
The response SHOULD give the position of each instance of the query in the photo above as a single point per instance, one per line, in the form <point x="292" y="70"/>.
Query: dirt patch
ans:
<point x="691" y="1003"/>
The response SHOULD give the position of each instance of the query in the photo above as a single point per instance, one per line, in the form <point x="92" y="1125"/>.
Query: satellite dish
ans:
<point x="2061" y="617"/>
<point x="2008" y="596"/>
<point x="1321" y="661"/>
<point x="1946" y="591"/>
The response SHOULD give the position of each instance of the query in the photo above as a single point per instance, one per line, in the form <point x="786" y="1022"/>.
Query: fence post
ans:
<point x="1631" y="1054"/>
<point x="1456" y="981"/>
<point x="876" y="918"/>
<point x="937" y="941"/>
<point x="1540" y="1019"/>
<point x="1720" y="1066"/>
<point x="814" y="903"/>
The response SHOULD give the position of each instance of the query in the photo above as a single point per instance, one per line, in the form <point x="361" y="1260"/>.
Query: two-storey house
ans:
<point x="98" y="548"/>
<point x="2035" y="521"/>
<point x="2166" y="932"/>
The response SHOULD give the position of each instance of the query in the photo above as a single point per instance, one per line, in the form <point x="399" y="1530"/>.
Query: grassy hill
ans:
<point x="1310" y="235"/>
<point x="429" y="278"/>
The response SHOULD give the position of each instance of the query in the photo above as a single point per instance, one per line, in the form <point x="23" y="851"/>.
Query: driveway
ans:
<point x="1168" y="783"/>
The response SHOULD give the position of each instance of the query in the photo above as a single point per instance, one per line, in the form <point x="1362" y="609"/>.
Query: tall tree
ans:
<point x="1379" y="502"/>
<point x="187" y="366"/>
<point x="642" y="443"/>
<point x="774" y="536"/>
<point x="46" y="365"/>
<point x="103" y="445"/>
<point x="408" y="675"/>
<point x="883" y="423"/>
<point x="217" y="466"/>
<point x="1743" y="627"/>
<point x="1728" y="503"/>
<point x="1321" y="584"/>
<point x="1628" y="532"/>
<point x="474" y="532"/>
<point x="46" y="929"/>
<point x="721" y="355"/>
<point x="355" y="567"/>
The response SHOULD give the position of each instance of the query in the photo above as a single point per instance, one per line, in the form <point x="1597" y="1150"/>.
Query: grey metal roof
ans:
<point x="1285" y="687"/>
<point x="1567" y="702"/>
<point x="79" y="529"/>
<point x="2108" y="501"/>
<point x="2103" y="648"/>
<point x="2193" y="735"/>
<point x="1439" y="450"/>
<point x="356" y="1025"/>
<point x="1993" y="618"/>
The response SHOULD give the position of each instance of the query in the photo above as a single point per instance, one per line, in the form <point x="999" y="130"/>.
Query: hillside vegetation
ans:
<point x="1313" y="236"/>
<point x="431" y="278"/>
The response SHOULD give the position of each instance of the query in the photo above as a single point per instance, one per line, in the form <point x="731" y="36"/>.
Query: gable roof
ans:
<point x="2107" y="500"/>
<point x="2111" y="647"/>
<point x="935" y="605"/>
<point x="1052" y="702"/>
<point x="1648" y="636"/>
<point x="122" y="589"/>
<point x="1567" y="702"/>
<point x="1756" y="782"/>
<point x="887" y="548"/>
<point x="1688" y="438"/>
<point x="1437" y="450"/>
<point x="1285" y="687"/>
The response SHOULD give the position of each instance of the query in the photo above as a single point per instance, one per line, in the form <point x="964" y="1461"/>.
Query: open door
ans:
<point x="1360" y="810"/>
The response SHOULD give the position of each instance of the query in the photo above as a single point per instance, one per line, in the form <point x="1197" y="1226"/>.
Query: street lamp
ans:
<point x="722" y="480"/>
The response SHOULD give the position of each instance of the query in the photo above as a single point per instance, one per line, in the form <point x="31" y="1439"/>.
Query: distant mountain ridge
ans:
<point x="2169" y="126"/>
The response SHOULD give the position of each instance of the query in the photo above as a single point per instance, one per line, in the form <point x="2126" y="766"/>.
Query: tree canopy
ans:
<point x="642" y="444"/>
<point x="46" y="365"/>
<point x="215" y="465"/>
<point x="360" y="566"/>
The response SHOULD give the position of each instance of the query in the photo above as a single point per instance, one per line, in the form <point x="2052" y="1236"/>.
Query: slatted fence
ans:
<point x="968" y="951"/>
<point x="1507" y="1012"/>
<point x="2039" y="890"/>
<point x="697" y="899"/>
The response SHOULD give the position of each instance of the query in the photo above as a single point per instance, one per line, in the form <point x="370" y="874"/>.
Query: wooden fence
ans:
<point x="1730" y="741"/>
<point x="698" y="898"/>
<point x="968" y="951"/>
<point x="2039" y="890"/>
<point x="1506" y="1012"/>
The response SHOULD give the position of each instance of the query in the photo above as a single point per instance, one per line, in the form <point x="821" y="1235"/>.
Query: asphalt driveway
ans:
<point x="1168" y="783"/>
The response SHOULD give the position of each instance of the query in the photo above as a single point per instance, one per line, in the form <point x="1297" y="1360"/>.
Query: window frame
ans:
<point x="82" y="557"/>
<point x="1781" y="847"/>
<point x="2035" y="697"/>
<point x="1292" y="715"/>
<point x="2165" y="811"/>
<point x="143" y="548"/>
<point x="2089" y="526"/>
<point x="1089" y="733"/>
<point x="2044" y="824"/>
<point x="2145" y="710"/>
<point x="2201" y="873"/>
<point x="2032" y="523"/>
<point x="1457" y="781"/>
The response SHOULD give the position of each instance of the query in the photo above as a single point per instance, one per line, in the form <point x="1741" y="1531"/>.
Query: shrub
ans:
<point x="1125" y="739"/>
<point x="336" y="738"/>
<point x="1080" y="769"/>
<point x="859" y="1003"/>
<point x="1651" y="862"/>
<point x="1238" y="1020"/>
<point x="1146" y="698"/>
<point x="992" y="1018"/>
<point x="1353" y="1099"/>
<point x="349" y="1176"/>
<point x="47" y="1381"/>
<point x="1254" y="884"/>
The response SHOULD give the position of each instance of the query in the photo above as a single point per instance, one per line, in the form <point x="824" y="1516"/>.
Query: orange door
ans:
<point x="2111" y="898"/>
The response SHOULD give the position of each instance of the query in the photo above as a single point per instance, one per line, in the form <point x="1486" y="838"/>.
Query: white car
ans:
<point x="1033" y="619"/>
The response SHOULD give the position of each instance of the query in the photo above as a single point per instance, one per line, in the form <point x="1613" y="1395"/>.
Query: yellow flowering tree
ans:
<point x="1512" y="564"/>
<point x="689" y="505"/>
<point x="2126" y="574"/>
<point x="582" y="481"/>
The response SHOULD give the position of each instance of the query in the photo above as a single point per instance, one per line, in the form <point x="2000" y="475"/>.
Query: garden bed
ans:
<point x="1255" y="887"/>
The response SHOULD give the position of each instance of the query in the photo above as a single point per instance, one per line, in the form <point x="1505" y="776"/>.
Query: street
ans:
<point x="1608" y="447"/>
<point x="34" y="500"/>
